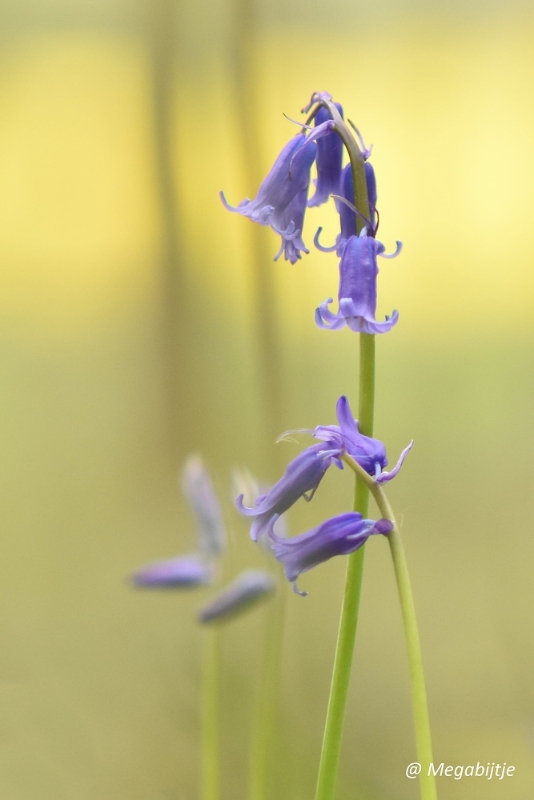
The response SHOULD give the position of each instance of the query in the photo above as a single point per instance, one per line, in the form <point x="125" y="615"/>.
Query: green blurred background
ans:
<point x="138" y="323"/>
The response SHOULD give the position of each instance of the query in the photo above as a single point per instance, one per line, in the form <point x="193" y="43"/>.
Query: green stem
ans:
<point x="328" y="766"/>
<point x="417" y="677"/>
<point x="267" y="706"/>
<point x="210" y="715"/>
<point x="415" y="659"/>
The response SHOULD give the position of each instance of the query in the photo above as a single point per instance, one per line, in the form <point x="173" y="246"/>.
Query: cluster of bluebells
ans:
<point x="201" y="567"/>
<point x="281" y="203"/>
<point x="340" y="535"/>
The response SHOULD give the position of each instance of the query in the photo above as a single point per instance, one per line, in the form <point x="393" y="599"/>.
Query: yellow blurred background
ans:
<point x="129" y="338"/>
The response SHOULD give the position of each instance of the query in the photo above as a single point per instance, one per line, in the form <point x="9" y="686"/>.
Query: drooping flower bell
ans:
<point x="301" y="479"/>
<point x="338" y="536"/>
<point x="200" y="494"/>
<point x="185" y="572"/>
<point x="282" y="197"/>
<point x="328" y="161"/>
<point x="369" y="453"/>
<point x="249" y="588"/>
<point x="358" y="271"/>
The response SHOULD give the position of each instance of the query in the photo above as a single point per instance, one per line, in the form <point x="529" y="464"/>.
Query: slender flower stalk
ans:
<point x="335" y="717"/>
<point x="339" y="688"/>
<point x="210" y="715"/>
<point x="262" y="753"/>
<point x="415" y="659"/>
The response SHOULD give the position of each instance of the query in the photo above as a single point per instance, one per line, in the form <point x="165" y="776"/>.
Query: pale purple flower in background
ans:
<point x="197" y="569"/>
<point x="338" y="536"/>
<point x="200" y="494"/>
<point x="184" y="572"/>
<point x="358" y="272"/>
<point x="302" y="476"/>
<point x="250" y="587"/>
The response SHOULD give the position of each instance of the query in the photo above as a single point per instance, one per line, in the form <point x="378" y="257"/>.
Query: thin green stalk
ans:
<point x="210" y="715"/>
<point x="267" y="704"/>
<point x="328" y="766"/>
<point x="415" y="659"/>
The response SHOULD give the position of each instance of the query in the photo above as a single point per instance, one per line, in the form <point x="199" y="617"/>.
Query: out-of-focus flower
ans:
<point x="338" y="536"/>
<point x="239" y="596"/>
<point x="199" y="492"/>
<point x="368" y="452"/>
<point x="286" y="185"/>
<point x="358" y="272"/>
<point x="302" y="475"/>
<point x="184" y="572"/>
<point x="328" y="161"/>
<point x="198" y="568"/>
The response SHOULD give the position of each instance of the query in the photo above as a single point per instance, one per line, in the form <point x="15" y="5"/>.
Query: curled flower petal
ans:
<point x="301" y="479"/>
<point x="198" y="490"/>
<point x="358" y="271"/>
<point x="338" y="536"/>
<point x="241" y="595"/>
<point x="184" y="572"/>
<point x="321" y="247"/>
<point x="387" y="476"/>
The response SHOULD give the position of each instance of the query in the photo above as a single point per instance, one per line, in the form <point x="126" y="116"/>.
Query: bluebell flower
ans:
<point x="328" y="161"/>
<point x="287" y="181"/>
<point x="198" y="568"/>
<point x="368" y="452"/>
<point x="174" y="573"/>
<point x="301" y="479"/>
<point x="347" y="215"/>
<point x="245" y="591"/>
<point x="338" y="536"/>
<point x="199" y="492"/>
<point x="358" y="272"/>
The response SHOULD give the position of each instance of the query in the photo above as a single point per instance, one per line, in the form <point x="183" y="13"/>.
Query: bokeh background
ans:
<point x="139" y="322"/>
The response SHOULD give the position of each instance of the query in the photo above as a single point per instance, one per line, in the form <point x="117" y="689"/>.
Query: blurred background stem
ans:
<point x="266" y="717"/>
<point x="162" y="55"/>
<point x="210" y="714"/>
